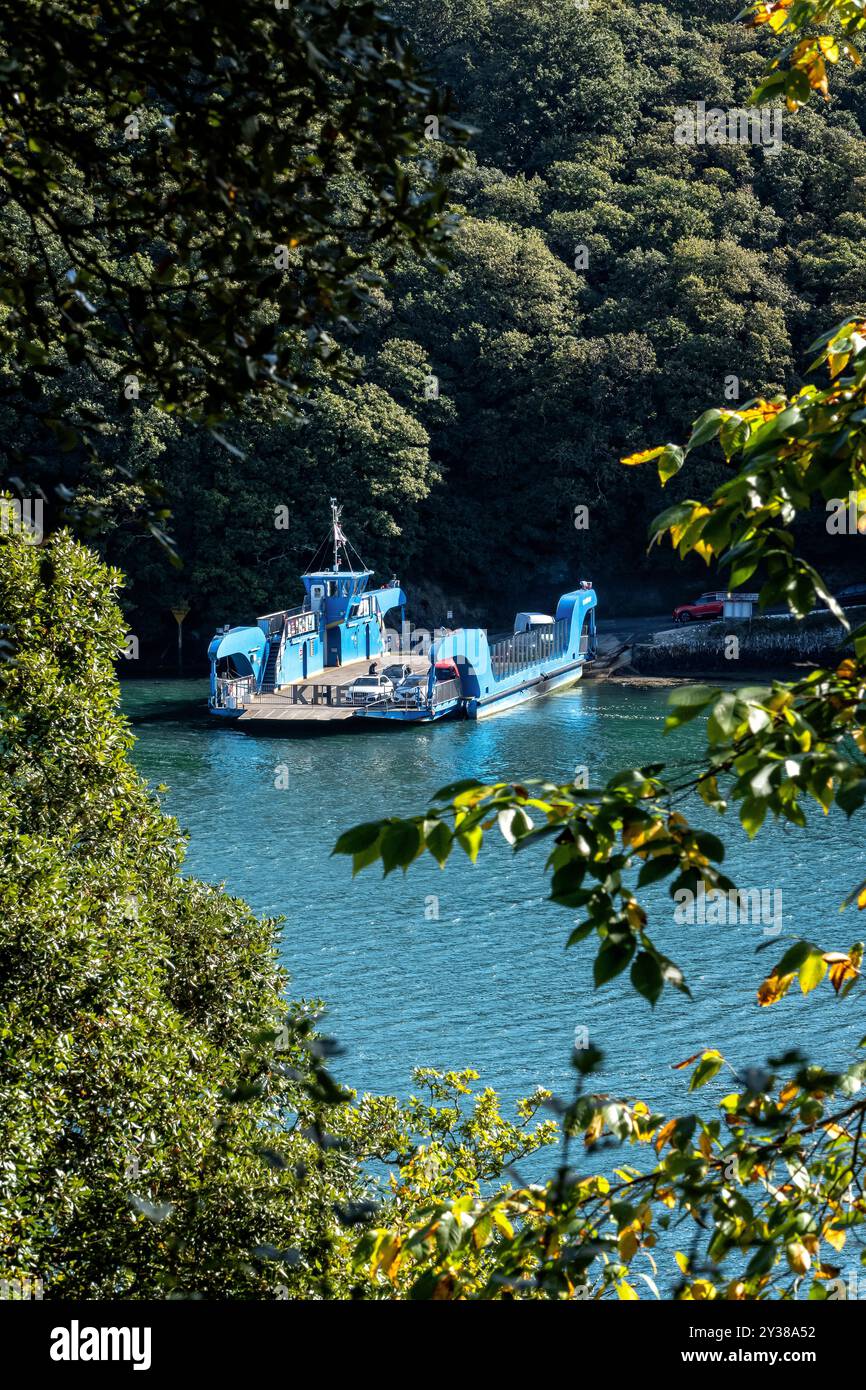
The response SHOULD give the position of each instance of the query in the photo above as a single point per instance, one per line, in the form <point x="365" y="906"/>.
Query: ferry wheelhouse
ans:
<point x="341" y="621"/>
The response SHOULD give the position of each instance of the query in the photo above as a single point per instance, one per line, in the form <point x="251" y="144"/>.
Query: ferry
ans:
<point x="333" y="661"/>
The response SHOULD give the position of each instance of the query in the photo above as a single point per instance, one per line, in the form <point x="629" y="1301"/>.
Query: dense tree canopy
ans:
<point x="194" y="197"/>
<point x="604" y="279"/>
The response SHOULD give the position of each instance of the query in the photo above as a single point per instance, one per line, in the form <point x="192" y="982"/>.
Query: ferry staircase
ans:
<point x="269" y="679"/>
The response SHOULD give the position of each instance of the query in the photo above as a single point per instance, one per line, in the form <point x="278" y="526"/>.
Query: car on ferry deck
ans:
<point x="410" y="689"/>
<point x="366" y="689"/>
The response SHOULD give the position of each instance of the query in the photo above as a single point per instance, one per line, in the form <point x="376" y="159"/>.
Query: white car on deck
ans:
<point x="367" y="689"/>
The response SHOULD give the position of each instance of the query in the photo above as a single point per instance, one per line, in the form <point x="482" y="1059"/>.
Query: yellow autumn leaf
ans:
<point x="837" y="361"/>
<point x="628" y="1242"/>
<point x="635" y="915"/>
<point x="798" y="1257"/>
<point x="772" y="14"/>
<point x="644" y="456"/>
<point x="625" y="1291"/>
<point x="841" y="967"/>
<point x="501" y="1221"/>
<point x="812" y="972"/>
<point x="682" y="1261"/>
<point x="773" y="989"/>
<point x="677" y="532"/>
<point x="593" y="1129"/>
<point x="835" y="1131"/>
<point x="636" y="835"/>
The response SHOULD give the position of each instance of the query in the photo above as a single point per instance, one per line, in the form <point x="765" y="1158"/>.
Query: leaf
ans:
<point x="439" y="841"/>
<point x="358" y="839"/>
<point x="690" y="695"/>
<point x="680" y="1066"/>
<point x="812" y="971"/>
<point x="401" y="843"/>
<point x="709" y="1066"/>
<point x="773" y="989"/>
<point x="470" y="841"/>
<point x="646" y="976"/>
<point x="513" y="824"/>
<point x="656" y="868"/>
<point x="365" y="857"/>
<point x="705" y="428"/>
<point x="798" y="1257"/>
<point x="842" y="969"/>
<point x="456" y="789"/>
<point x="670" y="462"/>
<point x="645" y="457"/>
<point x="611" y="960"/>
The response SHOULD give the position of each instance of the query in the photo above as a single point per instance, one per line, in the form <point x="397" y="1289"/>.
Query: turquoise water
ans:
<point x="488" y="983"/>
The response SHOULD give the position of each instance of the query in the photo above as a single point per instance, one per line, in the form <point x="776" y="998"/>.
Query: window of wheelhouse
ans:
<point x="233" y="667"/>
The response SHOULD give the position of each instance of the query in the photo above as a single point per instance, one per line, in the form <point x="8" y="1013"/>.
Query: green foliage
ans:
<point x="160" y="1116"/>
<point x="764" y="1196"/>
<point x="195" y="195"/>
<point x="802" y="66"/>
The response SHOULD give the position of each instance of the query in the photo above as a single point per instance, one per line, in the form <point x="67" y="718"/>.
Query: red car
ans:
<point x="707" y="606"/>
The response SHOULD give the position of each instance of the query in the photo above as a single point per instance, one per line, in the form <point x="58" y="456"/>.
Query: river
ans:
<point x="467" y="967"/>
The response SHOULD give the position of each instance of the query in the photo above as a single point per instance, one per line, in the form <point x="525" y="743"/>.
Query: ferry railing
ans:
<point x="232" y="692"/>
<point x="443" y="691"/>
<point x="547" y="642"/>
<point x="276" y="621"/>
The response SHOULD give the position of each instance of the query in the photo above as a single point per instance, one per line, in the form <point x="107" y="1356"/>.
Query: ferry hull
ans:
<point x="531" y="690"/>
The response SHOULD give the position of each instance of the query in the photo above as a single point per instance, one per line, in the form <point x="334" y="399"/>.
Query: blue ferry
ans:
<point x="333" y="661"/>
